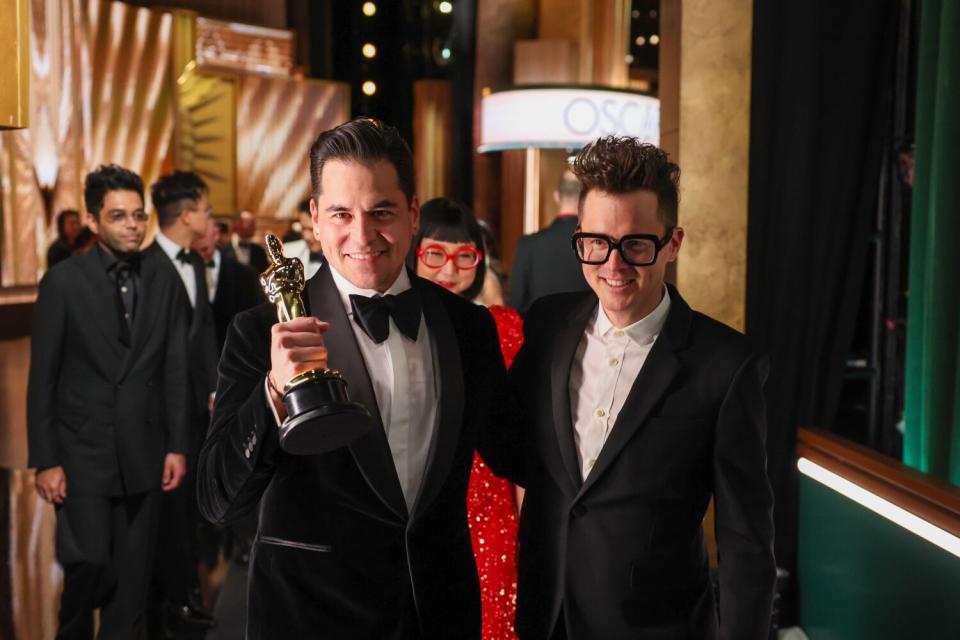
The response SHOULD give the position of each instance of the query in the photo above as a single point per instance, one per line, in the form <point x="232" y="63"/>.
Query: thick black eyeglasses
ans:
<point x="636" y="249"/>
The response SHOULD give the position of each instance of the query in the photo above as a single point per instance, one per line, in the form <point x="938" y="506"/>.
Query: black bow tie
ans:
<point x="373" y="314"/>
<point x="211" y="264"/>
<point x="184" y="256"/>
<point x="126" y="266"/>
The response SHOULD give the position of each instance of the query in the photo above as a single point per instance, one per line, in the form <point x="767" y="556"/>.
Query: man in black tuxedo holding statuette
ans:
<point x="368" y="540"/>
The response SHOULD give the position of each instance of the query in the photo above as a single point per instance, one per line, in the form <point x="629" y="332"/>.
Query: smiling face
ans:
<point x="627" y="293"/>
<point x="448" y="276"/>
<point x="121" y="223"/>
<point x="364" y="222"/>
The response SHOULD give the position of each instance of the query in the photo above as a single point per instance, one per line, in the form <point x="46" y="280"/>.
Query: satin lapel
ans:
<point x="372" y="451"/>
<point x="145" y="312"/>
<point x="659" y="370"/>
<point x="567" y="340"/>
<point x="101" y="298"/>
<point x="450" y="393"/>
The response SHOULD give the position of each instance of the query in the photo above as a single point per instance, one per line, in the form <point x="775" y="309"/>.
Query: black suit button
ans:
<point x="578" y="511"/>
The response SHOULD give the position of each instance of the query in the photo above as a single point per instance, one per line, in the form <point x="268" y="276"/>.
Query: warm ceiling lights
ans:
<point x="369" y="87"/>
<point x="369" y="50"/>
<point x="369" y="9"/>
<point x="445" y="7"/>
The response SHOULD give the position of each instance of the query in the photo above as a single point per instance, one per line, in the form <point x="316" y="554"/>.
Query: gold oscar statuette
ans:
<point x="320" y="415"/>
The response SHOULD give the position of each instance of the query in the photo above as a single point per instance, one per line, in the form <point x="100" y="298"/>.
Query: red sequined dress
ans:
<point x="492" y="514"/>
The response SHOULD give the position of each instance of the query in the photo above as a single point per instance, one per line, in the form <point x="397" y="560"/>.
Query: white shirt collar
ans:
<point x="347" y="288"/>
<point x="216" y="259"/>
<point x="169" y="247"/>
<point x="642" y="330"/>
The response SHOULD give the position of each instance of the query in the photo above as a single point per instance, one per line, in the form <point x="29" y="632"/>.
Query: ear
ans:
<point x="556" y="197"/>
<point x="415" y="212"/>
<point x="673" y="247"/>
<point x="314" y="215"/>
<point x="93" y="223"/>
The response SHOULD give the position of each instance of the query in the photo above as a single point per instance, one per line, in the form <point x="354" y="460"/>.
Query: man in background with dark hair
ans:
<point x="544" y="262"/>
<point x="181" y="200"/>
<point x="369" y="540"/>
<point x="106" y="408"/>
<point x="68" y="228"/>
<point x="639" y="411"/>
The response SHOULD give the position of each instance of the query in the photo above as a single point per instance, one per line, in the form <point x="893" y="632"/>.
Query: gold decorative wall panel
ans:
<point x="714" y="128"/>
<point x="206" y="133"/>
<point x="277" y="121"/>
<point x="100" y="93"/>
<point x="15" y="70"/>
<point x="432" y="137"/>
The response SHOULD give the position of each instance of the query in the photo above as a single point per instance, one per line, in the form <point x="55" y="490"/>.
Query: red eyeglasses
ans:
<point x="435" y="256"/>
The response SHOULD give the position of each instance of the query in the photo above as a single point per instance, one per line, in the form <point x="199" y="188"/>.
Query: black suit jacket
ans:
<point x="238" y="289"/>
<point x="107" y="412"/>
<point x="337" y="553"/>
<point x="544" y="263"/>
<point x="201" y="341"/>
<point x="623" y="550"/>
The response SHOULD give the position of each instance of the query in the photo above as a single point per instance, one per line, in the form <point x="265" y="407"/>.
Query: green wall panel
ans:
<point x="862" y="576"/>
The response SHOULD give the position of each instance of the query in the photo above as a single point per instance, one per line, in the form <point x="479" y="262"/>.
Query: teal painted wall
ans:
<point x="862" y="576"/>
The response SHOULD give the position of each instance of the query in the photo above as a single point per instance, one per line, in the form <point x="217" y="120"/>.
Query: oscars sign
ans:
<point x="565" y="117"/>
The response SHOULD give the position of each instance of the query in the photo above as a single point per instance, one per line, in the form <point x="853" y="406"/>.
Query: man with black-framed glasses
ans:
<point x="639" y="411"/>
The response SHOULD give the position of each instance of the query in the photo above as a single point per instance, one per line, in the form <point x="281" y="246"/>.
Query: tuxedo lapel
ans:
<point x="659" y="370"/>
<point x="371" y="451"/>
<point x="450" y="393"/>
<point x="567" y="340"/>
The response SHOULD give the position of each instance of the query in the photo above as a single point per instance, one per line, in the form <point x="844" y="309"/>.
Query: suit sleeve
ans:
<point x="46" y="355"/>
<point x="744" y="507"/>
<point x="520" y="278"/>
<point x="499" y="439"/>
<point x="241" y="450"/>
<point x="176" y="374"/>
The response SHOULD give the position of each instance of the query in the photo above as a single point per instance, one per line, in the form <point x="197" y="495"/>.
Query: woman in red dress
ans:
<point x="449" y="251"/>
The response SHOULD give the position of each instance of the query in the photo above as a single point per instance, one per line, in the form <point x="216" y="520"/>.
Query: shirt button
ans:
<point x="592" y="461"/>
<point x="601" y="413"/>
<point x="614" y="362"/>
<point x="618" y="333"/>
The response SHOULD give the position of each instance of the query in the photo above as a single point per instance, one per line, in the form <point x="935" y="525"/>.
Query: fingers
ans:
<point x="174" y="469"/>
<point x="306" y="323"/>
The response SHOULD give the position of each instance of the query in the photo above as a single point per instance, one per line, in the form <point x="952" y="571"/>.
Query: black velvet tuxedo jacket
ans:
<point x="106" y="411"/>
<point x="338" y="555"/>
<point x="201" y="343"/>
<point x="545" y="264"/>
<point x="622" y="551"/>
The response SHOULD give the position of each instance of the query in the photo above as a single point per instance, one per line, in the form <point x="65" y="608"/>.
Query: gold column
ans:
<point x="432" y="137"/>
<point x="15" y="65"/>
<point x="714" y="128"/>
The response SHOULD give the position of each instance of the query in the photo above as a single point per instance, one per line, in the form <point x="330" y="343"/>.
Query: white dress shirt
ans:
<point x="213" y="275"/>
<point x="300" y="249"/>
<point x="185" y="269"/>
<point x="402" y="375"/>
<point x="605" y="366"/>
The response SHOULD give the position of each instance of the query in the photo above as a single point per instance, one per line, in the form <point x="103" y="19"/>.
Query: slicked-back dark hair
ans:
<point x="106" y="178"/>
<point x="450" y="221"/>
<point x="614" y="164"/>
<point x="174" y="192"/>
<point x="365" y="140"/>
